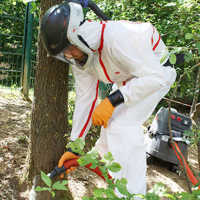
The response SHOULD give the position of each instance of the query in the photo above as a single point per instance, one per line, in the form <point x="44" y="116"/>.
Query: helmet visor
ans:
<point x="67" y="57"/>
<point x="63" y="58"/>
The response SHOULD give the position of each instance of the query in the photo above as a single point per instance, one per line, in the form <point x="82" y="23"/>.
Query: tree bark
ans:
<point x="49" y="113"/>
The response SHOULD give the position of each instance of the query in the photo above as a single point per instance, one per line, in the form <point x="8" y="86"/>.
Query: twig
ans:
<point x="180" y="79"/>
<point x="169" y="122"/>
<point x="178" y="102"/>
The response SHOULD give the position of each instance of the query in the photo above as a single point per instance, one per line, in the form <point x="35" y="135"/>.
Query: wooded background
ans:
<point x="178" y="22"/>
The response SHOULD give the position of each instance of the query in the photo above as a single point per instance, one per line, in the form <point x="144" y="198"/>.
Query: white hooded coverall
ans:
<point x="128" y="55"/>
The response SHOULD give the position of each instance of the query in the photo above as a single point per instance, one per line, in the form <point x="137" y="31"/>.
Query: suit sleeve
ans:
<point x="86" y="87"/>
<point x="141" y="56"/>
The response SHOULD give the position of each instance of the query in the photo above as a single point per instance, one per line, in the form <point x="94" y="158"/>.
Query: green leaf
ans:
<point x="198" y="46"/>
<point x="39" y="189"/>
<point x="99" y="192"/>
<point x="46" y="179"/>
<point x="53" y="194"/>
<point x="91" y="157"/>
<point x="94" y="165"/>
<point x="110" y="193"/>
<point x="169" y="196"/>
<point x="159" y="189"/>
<point x="59" y="186"/>
<point x="170" y="4"/>
<point x="64" y="182"/>
<point x="188" y="36"/>
<point x="87" y="198"/>
<point x="77" y="146"/>
<point x="122" y="186"/>
<point x="84" y="160"/>
<point x="152" y="196"/>
<point x="172" y="59"/>
<point x="108" y="156"/>
<point x="188" y="57"/>
<point x="114" y="167"/>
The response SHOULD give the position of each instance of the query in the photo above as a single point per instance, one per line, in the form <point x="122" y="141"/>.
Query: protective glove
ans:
<point x="102" y="113"/>
<point x="68" y="155"/>
<point x="104" y="110"/>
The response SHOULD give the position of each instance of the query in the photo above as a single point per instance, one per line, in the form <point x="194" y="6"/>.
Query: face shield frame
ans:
<point x="61" y="56"/>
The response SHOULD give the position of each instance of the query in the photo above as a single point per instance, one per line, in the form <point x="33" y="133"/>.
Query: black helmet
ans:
<point x="60" y="24"/>
<point x="54" y="27"/>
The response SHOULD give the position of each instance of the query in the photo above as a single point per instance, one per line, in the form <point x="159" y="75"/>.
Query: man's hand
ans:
<point x="103" y="113"/>
<point x="67" y="156"/>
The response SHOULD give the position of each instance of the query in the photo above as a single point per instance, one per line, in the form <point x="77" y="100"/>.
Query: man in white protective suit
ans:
<point x="131" y="56"/>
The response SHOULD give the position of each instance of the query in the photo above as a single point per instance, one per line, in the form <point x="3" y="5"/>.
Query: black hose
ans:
<point x="97" y="10"/>
<point x="92" y="6"/>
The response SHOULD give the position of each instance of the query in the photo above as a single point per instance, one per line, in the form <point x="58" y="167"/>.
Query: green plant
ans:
<point x="51" y="187"/>
<point x="158" y="191"/>
<point x="23" y="139"/>
<point x="193" y="135"/>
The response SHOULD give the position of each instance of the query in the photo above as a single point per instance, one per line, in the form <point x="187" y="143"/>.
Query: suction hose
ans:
<point x="90" y="4"/>
<point x="97" y="10"/>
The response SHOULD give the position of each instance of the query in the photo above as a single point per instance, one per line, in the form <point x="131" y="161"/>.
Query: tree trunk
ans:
<point x="49" y="113"/>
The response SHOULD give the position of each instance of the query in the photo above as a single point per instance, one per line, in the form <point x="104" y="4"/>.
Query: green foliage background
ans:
<point x="178" y="22"/>
<point x="12" y="15"/>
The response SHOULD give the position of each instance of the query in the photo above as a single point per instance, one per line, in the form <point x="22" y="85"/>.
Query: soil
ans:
<point x="15" y="117"/>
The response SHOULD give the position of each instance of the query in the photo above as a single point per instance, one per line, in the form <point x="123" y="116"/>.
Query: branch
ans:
<point x="181" y="77"/>
<point x="178" y="102"/>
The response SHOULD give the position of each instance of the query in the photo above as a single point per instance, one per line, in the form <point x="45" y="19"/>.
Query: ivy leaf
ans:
<point x="172" y="59"/>
<point x="46" y="179"/>
<point x="114" y="167"/>
<point x="188" y="36"/>
<point x="59" y="186"/>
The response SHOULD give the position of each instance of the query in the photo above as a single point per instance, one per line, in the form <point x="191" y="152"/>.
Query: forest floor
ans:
<point x="15" y="117"/>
